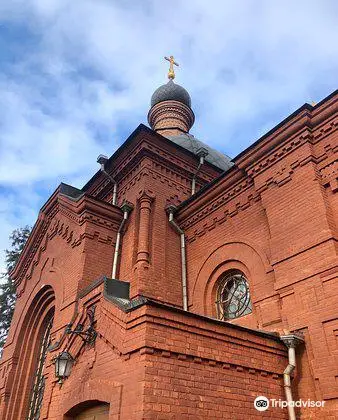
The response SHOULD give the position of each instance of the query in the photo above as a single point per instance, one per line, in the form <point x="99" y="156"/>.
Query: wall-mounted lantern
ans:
<point x="63" y="365"/>
<point x="64" y="361"/>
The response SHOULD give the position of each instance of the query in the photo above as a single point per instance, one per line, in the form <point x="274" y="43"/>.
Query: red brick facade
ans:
<point x="272" y="216"/>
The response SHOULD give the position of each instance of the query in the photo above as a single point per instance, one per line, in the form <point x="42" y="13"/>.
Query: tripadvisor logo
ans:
<point x="261" y="403"/>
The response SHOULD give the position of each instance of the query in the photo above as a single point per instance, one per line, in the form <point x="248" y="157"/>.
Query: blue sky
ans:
<point x="76" y="77"/>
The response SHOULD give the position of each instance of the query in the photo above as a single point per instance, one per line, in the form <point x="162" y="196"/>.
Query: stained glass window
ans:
<point x="233" y="296"/>
<point x="39" y="377"/>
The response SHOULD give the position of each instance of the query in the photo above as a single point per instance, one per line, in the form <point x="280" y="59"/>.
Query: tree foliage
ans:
<point x="18" y="239"/>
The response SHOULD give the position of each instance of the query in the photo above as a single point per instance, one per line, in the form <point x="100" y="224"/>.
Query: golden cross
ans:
<point x="171" y="72"/>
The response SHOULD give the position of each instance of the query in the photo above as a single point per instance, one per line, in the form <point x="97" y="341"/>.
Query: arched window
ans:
<point x="29" y="375"/>
<point x="233" y="296"/>
<point x="38" y="388"/>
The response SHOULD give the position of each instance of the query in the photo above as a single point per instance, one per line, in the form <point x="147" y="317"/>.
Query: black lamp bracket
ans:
<point x="89" y="335"/>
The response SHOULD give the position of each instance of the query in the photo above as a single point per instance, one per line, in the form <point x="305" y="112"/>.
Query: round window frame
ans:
<point x="245" y="307"/>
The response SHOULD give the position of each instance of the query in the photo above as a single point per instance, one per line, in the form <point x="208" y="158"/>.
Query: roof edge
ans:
<point x="142" y="128"/>
<point x="297" y="112"/>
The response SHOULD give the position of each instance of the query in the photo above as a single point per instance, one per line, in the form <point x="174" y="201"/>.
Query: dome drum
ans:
<point x="171" y="117"/>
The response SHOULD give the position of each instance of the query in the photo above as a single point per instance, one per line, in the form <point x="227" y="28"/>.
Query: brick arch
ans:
<point x="101" y="390"/>
<point x="84" y="406"/>
<point x="240" y="256"/>
<point x="49" y="276"/>
<point x="34" y="322"/>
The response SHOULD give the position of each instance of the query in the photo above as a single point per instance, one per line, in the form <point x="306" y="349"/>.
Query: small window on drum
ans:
<point x="233" y="296"/>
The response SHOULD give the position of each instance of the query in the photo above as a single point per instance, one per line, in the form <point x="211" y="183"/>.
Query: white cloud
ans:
<point x="89" y="67"/>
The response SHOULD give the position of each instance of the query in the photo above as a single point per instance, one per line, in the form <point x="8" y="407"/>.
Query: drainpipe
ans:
<point x="291" y="341"/>
<point x="170" y="211"/>
<point x="126" y="208"/>
<point x="102" y="161"/>
<point x="201" y="153"/>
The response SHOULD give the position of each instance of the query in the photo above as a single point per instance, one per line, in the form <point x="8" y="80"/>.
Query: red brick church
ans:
<point x="181" y="284"/>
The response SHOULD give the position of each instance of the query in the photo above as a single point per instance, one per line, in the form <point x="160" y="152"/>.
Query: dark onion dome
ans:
<point x="171" y="92"/>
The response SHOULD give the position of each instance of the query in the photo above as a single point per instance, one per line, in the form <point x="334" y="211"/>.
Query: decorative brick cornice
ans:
<point x="176" y="182"/>
<point x="215" y="221"/>
<point x="326" y="129"/>
<point x="158" y="168"/>
<point x="283" y="173"/>
<point x="316" y="121"/>
<point x="163" y="154"/>
<point x="84" y="210"/>
<point x="225" y="196"/>
<point x="34" y="247"/>
<point x="211" y="361"/>
<point x="279" y="153"/>
<point x="329" y="175"/>
<point x="308" y="133"/>
<point x="290" y="145"/>
<point x="302" y="129"/>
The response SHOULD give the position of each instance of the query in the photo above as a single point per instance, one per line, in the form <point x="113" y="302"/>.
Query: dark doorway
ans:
<point x="90" y="410"/>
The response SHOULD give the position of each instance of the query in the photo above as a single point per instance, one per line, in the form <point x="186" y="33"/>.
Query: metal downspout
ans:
<point x="291" y="341"/>
<point x="126" y="208"/>
<point x="102" y="161"/>
<point x="180" y="231"/>
<point x="201" y="153"/>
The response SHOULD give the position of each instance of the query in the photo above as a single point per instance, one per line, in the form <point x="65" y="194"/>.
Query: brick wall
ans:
<point x="274" y="218"/>
<point x="156" y="363"/>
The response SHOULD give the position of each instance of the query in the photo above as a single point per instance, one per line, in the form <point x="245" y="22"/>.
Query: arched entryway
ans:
<point x="100" y="412"/>
<point x="90" y="410"/>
